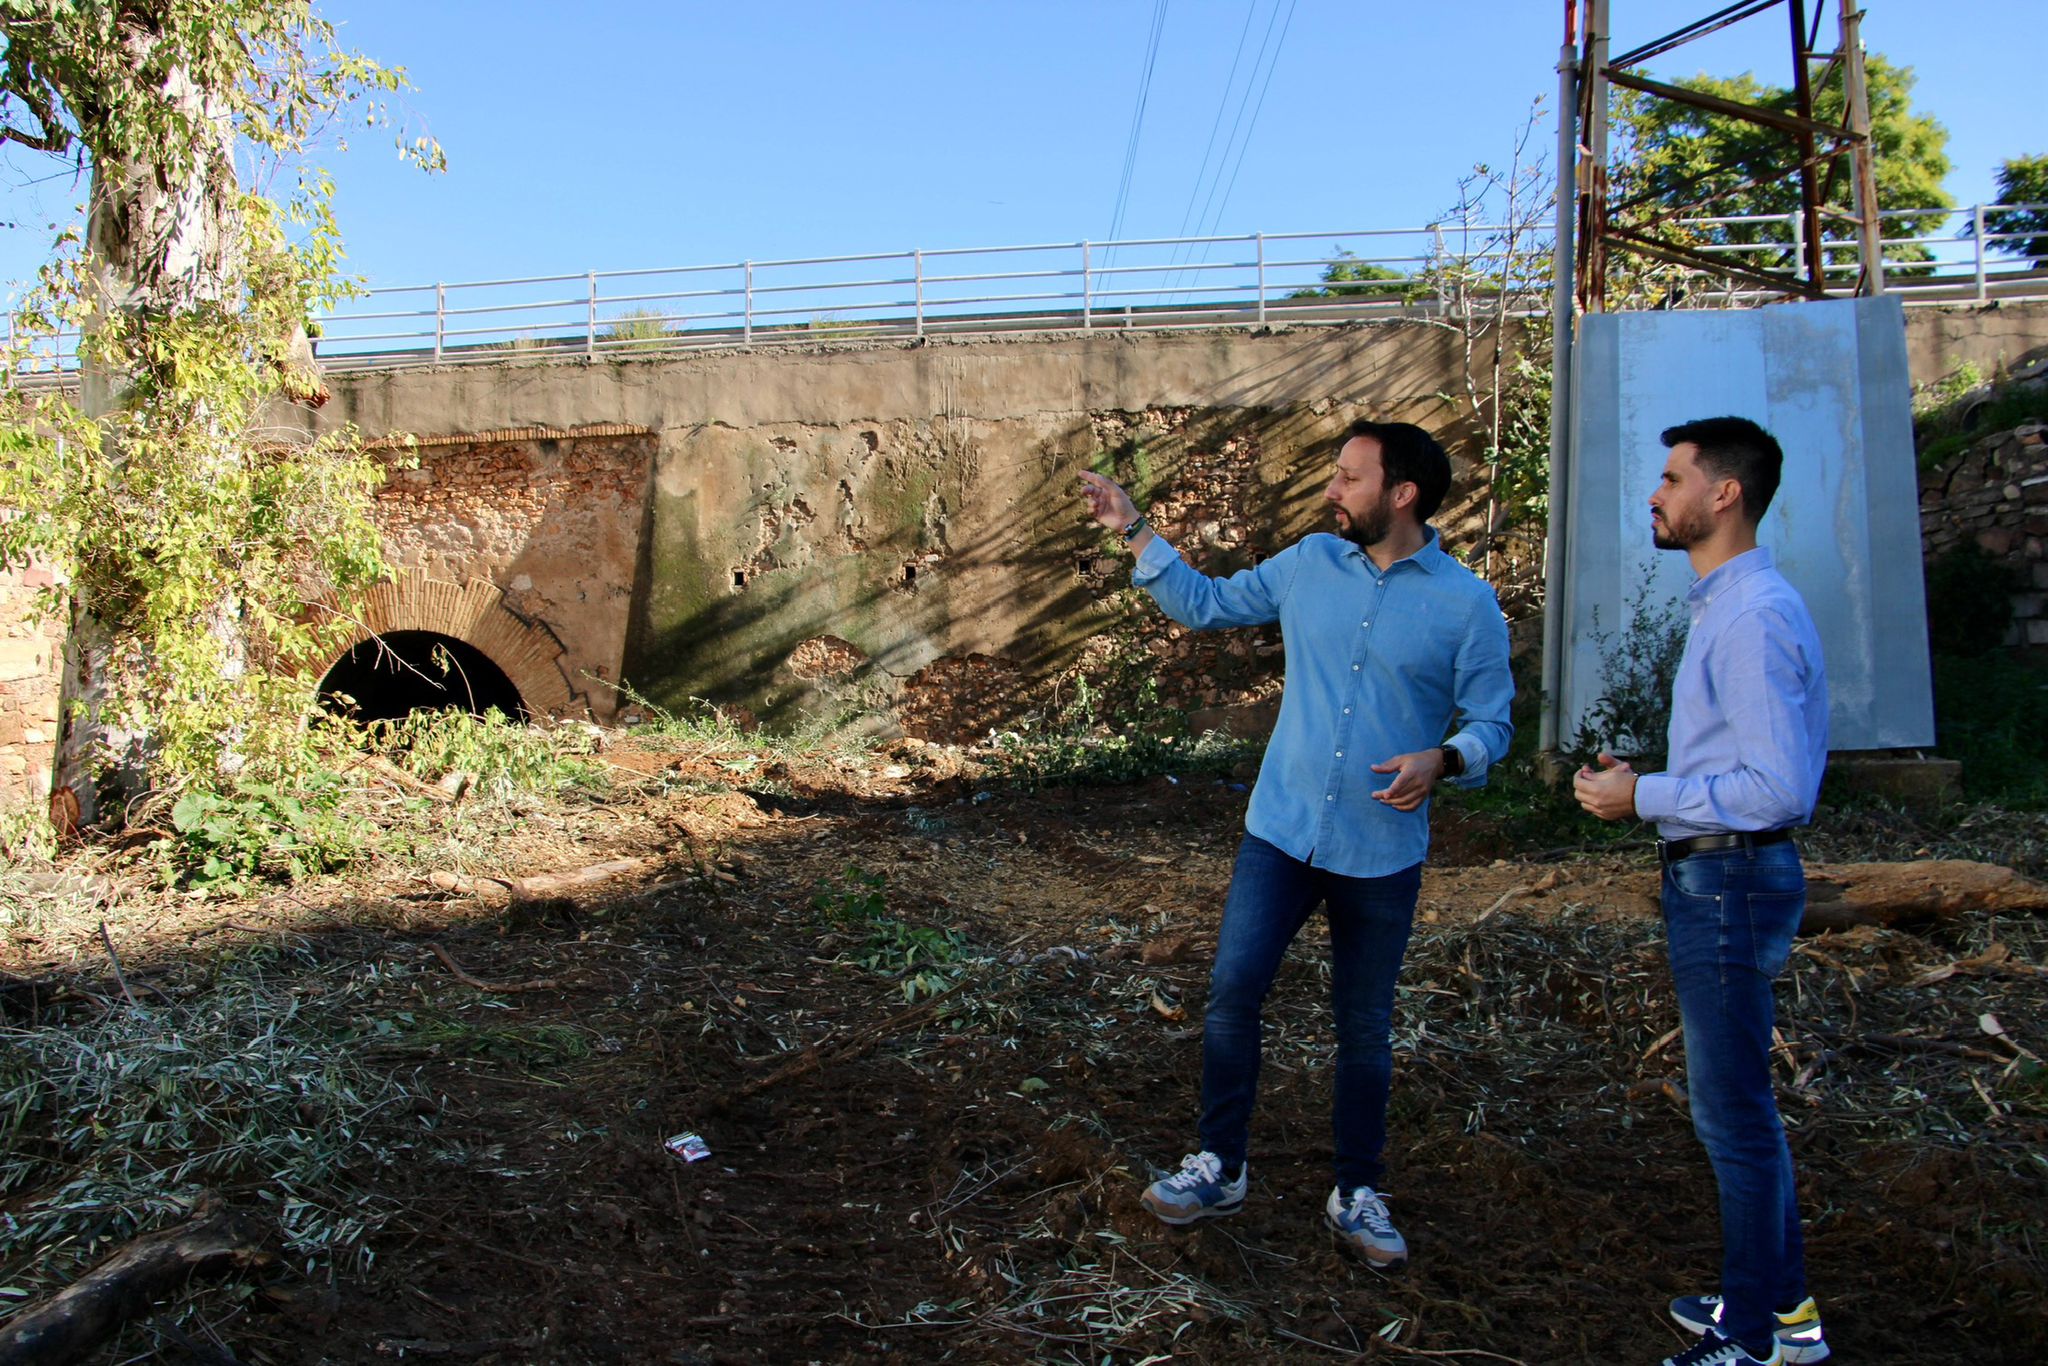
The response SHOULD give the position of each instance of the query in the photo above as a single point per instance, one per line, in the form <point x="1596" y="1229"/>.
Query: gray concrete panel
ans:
<point x="1830" y="381"/>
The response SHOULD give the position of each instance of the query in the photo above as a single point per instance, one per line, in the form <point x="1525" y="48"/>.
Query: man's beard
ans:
<point x="1372" y="527"/>
<point x="1668" y="535"/>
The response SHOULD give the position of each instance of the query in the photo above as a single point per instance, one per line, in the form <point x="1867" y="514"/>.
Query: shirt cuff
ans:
<point x="1473" y="752"/>
<point x="1153" y="560"/>
<point x="1656" y="796"/>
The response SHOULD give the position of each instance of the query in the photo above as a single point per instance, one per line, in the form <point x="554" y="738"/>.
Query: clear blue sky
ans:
<point x="617" y="134"/>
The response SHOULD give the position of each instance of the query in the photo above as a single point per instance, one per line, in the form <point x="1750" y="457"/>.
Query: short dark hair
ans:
<point x="1736" y="448"/>
<point x="1408" y="455"/>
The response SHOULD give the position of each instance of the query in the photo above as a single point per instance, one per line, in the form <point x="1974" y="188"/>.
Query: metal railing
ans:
<point x="1262" y="279"/>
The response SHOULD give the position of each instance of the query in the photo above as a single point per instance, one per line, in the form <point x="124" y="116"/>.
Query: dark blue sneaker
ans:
<point x="1362" y="1225"/>
<point x="1714" y="1350"/>
<point x="1197" y="1191"/>
<point x="1800" y="1336"/>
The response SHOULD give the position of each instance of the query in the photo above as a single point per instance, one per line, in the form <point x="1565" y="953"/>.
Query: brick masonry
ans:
<point x="31" y="668"/>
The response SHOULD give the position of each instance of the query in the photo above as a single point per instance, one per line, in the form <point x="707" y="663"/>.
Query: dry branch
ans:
<point x="68" y="1325"/>
<point x="455" y="969"/>
<point x="845" y="1049"/>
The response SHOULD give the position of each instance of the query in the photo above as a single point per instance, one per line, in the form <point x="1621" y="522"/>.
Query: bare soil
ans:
<point x="961" y="1184"/>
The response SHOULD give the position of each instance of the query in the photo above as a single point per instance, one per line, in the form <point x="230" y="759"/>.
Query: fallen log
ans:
<point x="1841" y="896"/>
<point x="68" y="1325"/>
<point x="503" y="889"/>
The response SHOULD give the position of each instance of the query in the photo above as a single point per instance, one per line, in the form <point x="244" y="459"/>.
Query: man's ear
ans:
<point x="1406" y="492"/>
<point x="1727" y="494"/>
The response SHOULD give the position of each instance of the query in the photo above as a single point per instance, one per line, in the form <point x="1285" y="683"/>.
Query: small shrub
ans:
<point x="502" y="756"/>
<point x="257" y="831"/>
<point x="1632" y="716"/>
<point x="920" y="955"/>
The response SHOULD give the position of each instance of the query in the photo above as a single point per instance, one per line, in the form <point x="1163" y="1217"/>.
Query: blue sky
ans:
<point x="619" y="134"/>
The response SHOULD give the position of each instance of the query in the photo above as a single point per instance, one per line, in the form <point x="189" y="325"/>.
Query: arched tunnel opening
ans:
<point x="391" y="676"/>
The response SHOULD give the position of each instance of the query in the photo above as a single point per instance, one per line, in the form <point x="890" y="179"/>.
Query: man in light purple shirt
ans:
<point x="1749" y="739"/>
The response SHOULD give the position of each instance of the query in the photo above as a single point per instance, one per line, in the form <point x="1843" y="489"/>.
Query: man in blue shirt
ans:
<point x="1388" y="642"/>
<point x="1749" y="738"/>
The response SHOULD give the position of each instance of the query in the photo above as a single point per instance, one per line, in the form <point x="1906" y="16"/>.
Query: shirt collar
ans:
<point x="1429" y="557"/>
<point x="1730" y="574"/>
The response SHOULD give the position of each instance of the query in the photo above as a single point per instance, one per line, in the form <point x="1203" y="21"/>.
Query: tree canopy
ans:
<point x="1677" y="157"/>
<point x="196" y="534"/>
<point x="2022" y="180"/>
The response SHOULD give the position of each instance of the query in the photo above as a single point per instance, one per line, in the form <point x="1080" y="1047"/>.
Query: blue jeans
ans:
<point x="1271" y="896"/>
<point x="1730" y="916"/>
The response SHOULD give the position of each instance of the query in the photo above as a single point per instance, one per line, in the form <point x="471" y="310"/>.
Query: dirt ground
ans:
<point x="955" y="1176"/>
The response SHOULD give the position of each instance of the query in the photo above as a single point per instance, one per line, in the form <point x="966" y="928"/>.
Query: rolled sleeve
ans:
<point x="1484" y="693"/>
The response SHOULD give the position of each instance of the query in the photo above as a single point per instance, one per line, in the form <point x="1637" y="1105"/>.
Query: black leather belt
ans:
<point x="1671" y="851"/>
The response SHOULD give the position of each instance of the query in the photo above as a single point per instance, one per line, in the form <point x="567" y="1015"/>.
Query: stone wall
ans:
<point x="1995" y="496"/>
<point x="31" y="666"/>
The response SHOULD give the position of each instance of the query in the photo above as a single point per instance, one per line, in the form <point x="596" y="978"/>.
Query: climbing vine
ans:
<point x="196" y="527"/>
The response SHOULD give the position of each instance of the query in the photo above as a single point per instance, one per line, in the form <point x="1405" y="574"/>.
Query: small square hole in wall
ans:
<point x="739" y="578"/>
<point x="910" y="576"/>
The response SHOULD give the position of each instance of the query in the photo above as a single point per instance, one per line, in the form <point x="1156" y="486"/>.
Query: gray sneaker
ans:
<point x="1197" y="1191"/>
<point x="1363" y="1227"/>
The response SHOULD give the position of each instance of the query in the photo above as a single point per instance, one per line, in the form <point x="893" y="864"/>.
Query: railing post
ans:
<point x="747" y="314"/>
<point x="1087" y="293"/>
<point x="1798" y="222"/>
<point x="917" y="270"/>
<point x="590" y="319"/>
<point x="440" y="319"/>
<point x="1259" y="239"/>
<point x="1977" y="236"/>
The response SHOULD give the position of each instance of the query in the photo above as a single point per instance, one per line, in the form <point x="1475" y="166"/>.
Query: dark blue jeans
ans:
<point x="1730" y="916"/>
<point x="1271" y="897"/>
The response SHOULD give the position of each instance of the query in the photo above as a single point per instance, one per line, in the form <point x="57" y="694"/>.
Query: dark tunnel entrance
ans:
<point x="390" y="676"/>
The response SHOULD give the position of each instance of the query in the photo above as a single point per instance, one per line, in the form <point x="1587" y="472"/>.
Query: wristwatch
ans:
<point x="1130" y="533"/>
<point x="1454" y="760"/>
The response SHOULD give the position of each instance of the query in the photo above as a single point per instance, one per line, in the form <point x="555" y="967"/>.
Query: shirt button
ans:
<point x="1365" y="623"/>
<point x="1347" y="711"/>
<point x="1331" y="797"/>
<point x="1354" y="668"/>
<point x="1340" y="754"/>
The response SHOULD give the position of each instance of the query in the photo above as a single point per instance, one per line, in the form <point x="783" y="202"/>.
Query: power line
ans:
<point x="1214" y="220"/>
<point x="1229" y="82"/>
<point x="1123" y="190"/>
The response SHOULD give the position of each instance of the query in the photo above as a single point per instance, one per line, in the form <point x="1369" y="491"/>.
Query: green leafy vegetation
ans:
<point x="501" y="756"/>
<point x="2022" y="180"/>
<point x="1692" y="161"/>
<point x="199" y="535"/>
<point x="227" y="840"/>
<point x="1638" y="665"/>
<point x="923" y="956"/>
<point x="1955" y="412"/>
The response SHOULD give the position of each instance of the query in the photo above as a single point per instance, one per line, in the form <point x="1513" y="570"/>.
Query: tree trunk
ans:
<point x="1840" y="896"/>
<point x="70" y="1324"/>
<point x="160" y="238"/>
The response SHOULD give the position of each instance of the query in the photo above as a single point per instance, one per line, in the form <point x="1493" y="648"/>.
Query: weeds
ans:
<point x="503" y="757"/>
<point x="1081" y="746"/>
<point x="921" y="955"/>
<point x="259" y="831"/>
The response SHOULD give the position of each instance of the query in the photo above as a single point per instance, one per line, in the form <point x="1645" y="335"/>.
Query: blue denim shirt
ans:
<point x="1378" y="664"/>
<point x="1749" y="709"/>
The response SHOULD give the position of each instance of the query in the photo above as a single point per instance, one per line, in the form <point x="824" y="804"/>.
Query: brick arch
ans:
<point x="475" y="613"/>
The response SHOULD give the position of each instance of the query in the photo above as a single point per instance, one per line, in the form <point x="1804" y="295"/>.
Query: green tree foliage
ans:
<point x="2023" y="180"/>
<point x="1692" y="160"/>
<point x="197" y="532"/>
<point x="1347" y="275"/>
